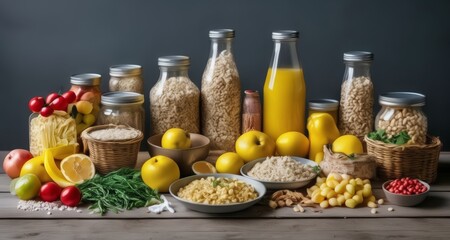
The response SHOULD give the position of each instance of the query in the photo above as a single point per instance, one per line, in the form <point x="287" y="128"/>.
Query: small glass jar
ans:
<point x="174" y="99"/>
<point x="251" y="111"/>
<point x="329" y="106"/>
<point x="402" y="111"/>
<point x="356" y="104"/>
<point x="123" y="108"/>
<point x="126" y="78"/>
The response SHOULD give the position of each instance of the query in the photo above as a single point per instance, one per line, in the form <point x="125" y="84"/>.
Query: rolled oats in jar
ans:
<point x="356" y="104"/>
<point x="402" y="111"/>
<point x="123" y="108"/>
<point x="175" y="99"/>
<point x="126" y="78"/>
<point x="221" y="93"/>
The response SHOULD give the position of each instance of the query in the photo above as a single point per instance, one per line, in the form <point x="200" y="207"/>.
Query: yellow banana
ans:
<point x="53" y="170"/>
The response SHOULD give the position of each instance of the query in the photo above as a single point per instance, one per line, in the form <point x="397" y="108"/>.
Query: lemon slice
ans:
<point x="202" y="167"/>
<point x="77" y="168"/>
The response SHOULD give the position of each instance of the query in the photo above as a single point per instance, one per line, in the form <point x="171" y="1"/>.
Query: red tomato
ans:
<point x="50" y="192"/>
<point x="69" y="96"/>
<point x="60" y="103"/>
<point x="36" y="104"/>
<point x="46" y="111"/>
<point x="14" y="161"/>
<point x="51" y="97"/>
<point x="71" y="196"/>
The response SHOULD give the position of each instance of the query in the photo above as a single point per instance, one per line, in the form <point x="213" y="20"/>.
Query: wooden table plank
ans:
<point x="437" y="204"/>
<point x="346" y="229"/>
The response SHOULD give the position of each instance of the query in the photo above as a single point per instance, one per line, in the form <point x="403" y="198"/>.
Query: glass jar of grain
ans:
<point x="123" y="108"/>
<point x="126" y="78"/>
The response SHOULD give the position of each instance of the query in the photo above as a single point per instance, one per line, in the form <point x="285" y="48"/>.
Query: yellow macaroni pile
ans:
<point x="216" y="191"/>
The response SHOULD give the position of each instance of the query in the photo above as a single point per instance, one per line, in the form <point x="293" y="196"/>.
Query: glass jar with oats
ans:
<point x="175" y="99"/>
<point x="221" y="93"/>
<point x="356" y="104"/>
<point x="402" y="111"/>
<point x="126" y="78"/>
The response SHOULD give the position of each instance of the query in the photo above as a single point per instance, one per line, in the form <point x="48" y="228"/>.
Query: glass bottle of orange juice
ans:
<point x="284" y="88"/>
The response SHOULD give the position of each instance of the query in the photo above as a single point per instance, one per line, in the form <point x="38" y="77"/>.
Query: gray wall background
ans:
<point x="43" y="42"/>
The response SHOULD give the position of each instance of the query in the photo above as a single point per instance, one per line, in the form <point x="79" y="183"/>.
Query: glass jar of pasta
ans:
<point x="402" y="111"/>
<point x="123" y="108"/>
<point x="126" y="78"/>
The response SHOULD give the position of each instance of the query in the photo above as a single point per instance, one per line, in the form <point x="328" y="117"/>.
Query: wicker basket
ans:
<point x="395" y="161"/>
<point x="108" y="156"/>
<point x="361" y="166"/>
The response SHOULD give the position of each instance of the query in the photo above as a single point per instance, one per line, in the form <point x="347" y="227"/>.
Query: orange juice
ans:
<point x="284" y="101"/>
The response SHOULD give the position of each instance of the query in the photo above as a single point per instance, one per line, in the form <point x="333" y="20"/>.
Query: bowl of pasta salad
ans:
<point x="217" y="193"/>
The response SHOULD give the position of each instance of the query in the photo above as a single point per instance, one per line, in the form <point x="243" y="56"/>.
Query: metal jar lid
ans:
<point x="173" y="61"/>
<point x="358" y="56"/>
<point x="122" y="98"/>
<point x="123" y="70"/>
<point x="323" y="104"/>
<point x="86" y="79"/>
<point x="285" y="35"/>
<point x="402" y="99"/>
<point x="222" y="33"/>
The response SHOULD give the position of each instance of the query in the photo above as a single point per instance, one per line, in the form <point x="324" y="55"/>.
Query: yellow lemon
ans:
<point x="347" y="144"/>
<point x="292" y="144"/>
<point x="176" y="138"/>
<point x="159" y="172"/>
<point x="77" y="168"/>
<point x="229" y="162"/>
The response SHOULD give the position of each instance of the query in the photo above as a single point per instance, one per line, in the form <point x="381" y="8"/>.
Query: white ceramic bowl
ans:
<point x="223" y="208"/>
<point x="280" y="185"/>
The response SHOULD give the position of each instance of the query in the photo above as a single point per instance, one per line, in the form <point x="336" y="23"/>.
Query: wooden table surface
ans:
<point x="430" y="220"/>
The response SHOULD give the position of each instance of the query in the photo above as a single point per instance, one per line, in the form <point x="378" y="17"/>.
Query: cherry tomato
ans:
<point x="51" y="97"/>
<point x="59" y="103"/>
<point x="47" y="111"/>
<point x="50" y="192"/>
<point x="70" y="196"/>
<point x="69" y="96"/>
<point x="36" y="104"/>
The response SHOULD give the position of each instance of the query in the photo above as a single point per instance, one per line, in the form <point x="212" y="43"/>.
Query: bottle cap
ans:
<point x="86" y="79"/>
<point x="173" y="61"/>
<point x="358" y="56"/>
<point x="117" y="98"/>
<point x="125" y="70"/>
<point x="399" y="99"/>
<point x="285" y="34"/>
<point x="222" y="33"/>
<point x="323" y="104"/>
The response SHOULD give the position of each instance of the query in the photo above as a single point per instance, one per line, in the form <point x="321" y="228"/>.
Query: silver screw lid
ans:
<point x="358" y="56"/>
<point x="285" y="35"/>
<point x="323" y="104"/>
<point x="86" y="79"/>
<point x="402" y="99"/>
<point x="222" y="33"/>
<point x="125" y="70"/>
<point x="118" y="98"/>
<point x="173" y="61"/>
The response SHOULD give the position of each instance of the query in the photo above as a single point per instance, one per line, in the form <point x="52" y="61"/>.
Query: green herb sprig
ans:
<point x="399" y="139"/>
<point x="117" y="191"/>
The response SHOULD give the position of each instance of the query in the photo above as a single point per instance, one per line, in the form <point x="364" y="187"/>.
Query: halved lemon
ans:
<point x="202" y="167"/>
<point x="77" y="168"/>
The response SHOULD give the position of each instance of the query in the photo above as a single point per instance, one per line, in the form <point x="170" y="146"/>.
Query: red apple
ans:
<point x="14" y="161"/>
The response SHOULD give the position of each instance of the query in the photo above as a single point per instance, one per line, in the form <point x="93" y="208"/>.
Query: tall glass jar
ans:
<point x="356" y="105"/>
<point x="284" y="88"/>
<point x="174" y="100"/>
<point x="86" y="87"/>
<point x="123" y="108"/>
<point x="221" y="93"/>
<point x="402" y="111"/>
<point x="126" y="78"/>
<point x="251" y="111"/>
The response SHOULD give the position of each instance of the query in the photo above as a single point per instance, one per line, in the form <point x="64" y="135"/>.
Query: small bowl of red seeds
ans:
<point x="406" y="191"/>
